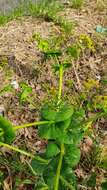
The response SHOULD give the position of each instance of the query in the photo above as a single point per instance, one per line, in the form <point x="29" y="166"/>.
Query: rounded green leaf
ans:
<point x="8" y="130"/>
<point x="50" y="132"/>
<point x="52" y="150"/>
<point x="48" y="113"/>
<point x="69" y="177"/>
<point x="65" y="124"/>
<point x="72" y="155"/>
<point x="38" y="166"/>
<point x="74" y="51"/>
<point x="50" y="172"/>
<point x="45" y="131"/>
<point x="64" y="113"/>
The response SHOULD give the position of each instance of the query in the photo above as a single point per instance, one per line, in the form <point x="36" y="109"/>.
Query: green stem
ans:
<point x="57" y="178"/>
<point x="44" y="188"/>
<point x="56" y="185"/>
<point x="67" y="183"/>
<point x="23" y="152"/>
<point x="32" y="170"/>
<point x="29" y="125"/>
<point x="60" y="83"/>
<point x="32" y="124"/>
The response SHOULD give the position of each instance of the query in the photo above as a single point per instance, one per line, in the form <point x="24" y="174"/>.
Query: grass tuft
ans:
<point x="77" y="4"/>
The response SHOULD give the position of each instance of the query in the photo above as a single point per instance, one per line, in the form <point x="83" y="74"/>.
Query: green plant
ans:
<point x="63" y="126"/>
<point x="46" y="9"/>
<point x="77" y="4"/>
<point x="62" y="143"/>
<point x="5" y="89"/>
<point x="86" y="42"/>
<point x="74" y="51"/>
<point x="16" y="13"/>
<point x="104" y="185"/>
<point x="24" y="94"/>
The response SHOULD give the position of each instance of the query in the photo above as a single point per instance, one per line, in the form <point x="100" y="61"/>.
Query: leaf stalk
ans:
<point x="24" y="152"/>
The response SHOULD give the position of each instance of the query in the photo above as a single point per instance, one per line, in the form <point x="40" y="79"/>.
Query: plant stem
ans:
<point x="32" y="124"/>
<point x="56" y="185"/>
<point x="60" y="83"/>
<point x="67" y="183"/>
<point x="23" y="152"/>
<point x="29" y="125"/>
<point x="44" y="188"/>
<point x="32" y="170"/>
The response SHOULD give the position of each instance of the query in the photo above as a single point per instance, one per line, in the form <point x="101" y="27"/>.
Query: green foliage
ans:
<point x="56" y="67"/>
<point x="104" y="185"/>
<point x="65" y="112"/>
<point x="40" y="184"/>
<point x="100" y="102"/>
<point x="52" y="150"/>
<point x="68" y="175"/>
<point x="48" y="113"/>
<point x="87" y="42"/>
<point x="91" y="182"/>
<point x="50" y="172"/>
<point x="72" y="155"/>
<point x="47" y="47"/>
<point x="3" y="61"/>
<point x="65" y="128"/>
<point x="6" y="88"/>
<point x="74" y="51"/>
<point x="1" y="178"/>
<point x="38" y="166"/>
<point x="102" y="157"/>
<point x="77" y="4"/>
<point x="26" y="90"/>
<point x="46" y="9"/>
<point x="43" y="45"/>
<point x="7" y="129"/>
<point x="62" y="126"/>
<point x="52" y="53"/>
<point x="16" y="13"/>
<point x="50" y="131"/>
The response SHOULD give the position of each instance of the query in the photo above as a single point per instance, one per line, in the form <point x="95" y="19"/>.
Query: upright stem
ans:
<point x="57" y="178"/>
<point x="60" y="83"/>
<point x="56" y="185"/>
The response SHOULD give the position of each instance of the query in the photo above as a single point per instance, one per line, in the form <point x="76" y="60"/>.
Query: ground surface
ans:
<point x="25" y="65"/>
